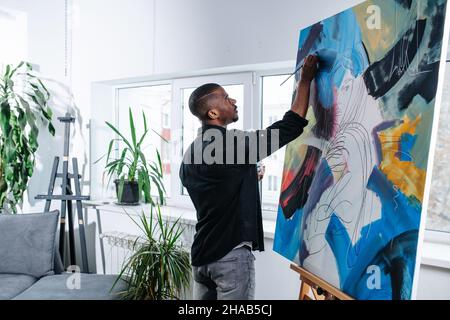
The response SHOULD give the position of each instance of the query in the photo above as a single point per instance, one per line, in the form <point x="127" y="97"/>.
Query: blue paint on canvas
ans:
<point x="399" y="216"/>
<point x="354" y="183"/>
<point x="339" y="51"/>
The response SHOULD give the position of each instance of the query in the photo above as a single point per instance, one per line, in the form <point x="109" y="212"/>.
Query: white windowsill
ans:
<point x="187" y="216"/>
<point x="436" y="254"/>
<point x="433" y="253"/>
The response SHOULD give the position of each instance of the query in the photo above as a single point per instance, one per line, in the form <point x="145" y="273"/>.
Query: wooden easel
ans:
<point x="321" y="290"/>
<point x="66" y="197"/>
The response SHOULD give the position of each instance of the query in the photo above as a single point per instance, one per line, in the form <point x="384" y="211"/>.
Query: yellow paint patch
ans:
<point x="403" y="174"/>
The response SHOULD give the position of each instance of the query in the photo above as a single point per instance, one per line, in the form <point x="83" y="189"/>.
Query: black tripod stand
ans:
<point x="66" y="198"/>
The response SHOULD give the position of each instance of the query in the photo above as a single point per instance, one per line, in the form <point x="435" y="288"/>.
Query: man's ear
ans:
<point x="213" y="114"/>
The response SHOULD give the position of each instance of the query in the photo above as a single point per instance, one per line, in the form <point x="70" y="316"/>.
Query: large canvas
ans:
<point x="353" y="184"/>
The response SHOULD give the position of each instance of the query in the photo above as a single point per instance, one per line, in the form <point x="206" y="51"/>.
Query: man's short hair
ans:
<point x="197" y="101"/>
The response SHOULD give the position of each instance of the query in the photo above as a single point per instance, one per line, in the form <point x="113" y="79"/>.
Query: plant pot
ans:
<point x="130" y="193"/>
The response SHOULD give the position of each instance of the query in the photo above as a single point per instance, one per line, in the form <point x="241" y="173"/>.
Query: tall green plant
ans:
<point x="160" y="267"/>
<point x="132" y="164"/>
<point x="22" y="113"/>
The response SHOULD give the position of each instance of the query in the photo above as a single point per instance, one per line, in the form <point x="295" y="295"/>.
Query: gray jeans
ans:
<point x="230" y="278"/>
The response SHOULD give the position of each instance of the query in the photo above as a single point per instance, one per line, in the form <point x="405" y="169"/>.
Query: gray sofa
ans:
<point x="31" y="269"/>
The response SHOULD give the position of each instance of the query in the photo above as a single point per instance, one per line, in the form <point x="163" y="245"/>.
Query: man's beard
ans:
<point x="236" y="116"/>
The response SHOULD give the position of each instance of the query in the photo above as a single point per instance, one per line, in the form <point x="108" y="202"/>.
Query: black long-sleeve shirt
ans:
<point x="220" y="175"/>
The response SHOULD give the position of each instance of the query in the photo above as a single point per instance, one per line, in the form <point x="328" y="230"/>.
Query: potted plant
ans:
<point x="135" y="175"/>
<point x="159" y="268"/>
<point x="23" y="111"/>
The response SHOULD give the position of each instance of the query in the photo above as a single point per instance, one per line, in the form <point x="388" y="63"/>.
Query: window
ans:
<point x="276" y="100"/>
<point x="439" y="204"/>
<point x="155" y="101"/>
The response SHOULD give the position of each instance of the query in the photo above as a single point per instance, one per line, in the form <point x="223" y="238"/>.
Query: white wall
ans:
<point x="117" y="39"/>
<point x="200" y="34"/>
<point x="112" y="39"/>
<point x="45" y="33"/>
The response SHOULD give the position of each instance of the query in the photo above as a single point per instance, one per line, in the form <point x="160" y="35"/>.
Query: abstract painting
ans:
<point x="353" y="184"/>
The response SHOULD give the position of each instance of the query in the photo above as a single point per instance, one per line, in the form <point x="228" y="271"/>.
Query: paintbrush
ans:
<point x="326" y="61"/>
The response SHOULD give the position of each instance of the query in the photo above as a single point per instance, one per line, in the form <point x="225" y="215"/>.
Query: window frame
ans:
<point x="268" y="215"/>
<point x="435" y="236"/>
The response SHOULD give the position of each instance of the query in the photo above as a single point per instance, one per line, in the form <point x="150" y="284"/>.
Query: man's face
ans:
<point x="224" y="107"/>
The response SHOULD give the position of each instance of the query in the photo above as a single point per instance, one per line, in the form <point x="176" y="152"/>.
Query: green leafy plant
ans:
<point x="132" y="164"/>
<point x="22" y="112"/>
<point x="159" y="268"/>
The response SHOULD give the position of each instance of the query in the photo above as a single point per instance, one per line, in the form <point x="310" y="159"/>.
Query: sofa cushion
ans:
<point x="28" y="243"/>
<point x="13" y="284"/>
<point x="63" y="287"/>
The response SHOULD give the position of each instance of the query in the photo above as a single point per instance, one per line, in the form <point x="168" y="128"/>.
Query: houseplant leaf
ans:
<point x="159" y="267"/>
<point x="133" y="159"/>
<point x="19" y="131"/>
